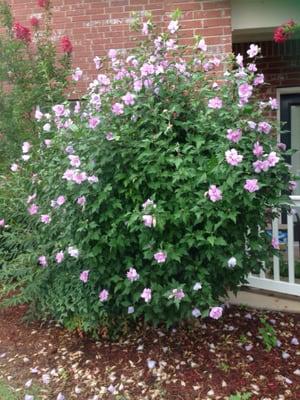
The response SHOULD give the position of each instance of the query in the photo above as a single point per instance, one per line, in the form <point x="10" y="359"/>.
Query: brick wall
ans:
<point x="94" y="26"/>
<point x="279" y="63"/>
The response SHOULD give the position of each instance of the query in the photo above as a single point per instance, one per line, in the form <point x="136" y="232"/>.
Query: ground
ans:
<point x="209" y="360"/>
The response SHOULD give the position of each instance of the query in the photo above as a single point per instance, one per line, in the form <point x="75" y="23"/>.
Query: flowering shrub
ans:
<point x="285" y="31"/>
<point x="149" y="198"/>
<point x="31" y="73"/>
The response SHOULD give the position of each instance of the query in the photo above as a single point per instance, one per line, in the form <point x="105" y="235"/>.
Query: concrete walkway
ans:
<point x="269" y="301"/>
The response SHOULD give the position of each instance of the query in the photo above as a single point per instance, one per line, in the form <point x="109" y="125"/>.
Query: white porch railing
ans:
<point x="275" y="279"/>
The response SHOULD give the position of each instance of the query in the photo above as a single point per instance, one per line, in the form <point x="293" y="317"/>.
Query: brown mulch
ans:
<point x="209" y="360"/>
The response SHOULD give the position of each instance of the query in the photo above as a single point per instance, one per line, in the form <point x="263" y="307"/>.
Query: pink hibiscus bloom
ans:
<point x="103" y="295"/>
<point x="160" y="257"/>
<point x="251" y="185"/>
<point x="215" y="103"/>
<point x="232" y="157"/>
<point x="216" y="312"/>
<point x="214" y="193"/>
<point x="147" y="295"/>
<point x="234" y="135"/>
<point x="132" y="274"/>
<point x="84" y="277"/>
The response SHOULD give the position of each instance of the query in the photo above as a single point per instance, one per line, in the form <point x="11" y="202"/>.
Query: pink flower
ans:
<point x="132" y="274"/>
<point x="73" y="251"/>
<point x="292" y="185"/>
<point x="79" y="177"/>
<point x="93" y="179"/>
<point x="81" y="200"/>
<point x="273" y="159"/>
<point x="147" y="295"/>
<point x="251" y="185"/>
<point x="214" y="193"/>
<point x="149" y="203"/>
<point x="118" y="108"/>
<point x="138" y="85"/>
<point x="281" y="146"/>
<point x="264" y="127"/>
<point x="258" y="150"/>
<point x="84" y="277"/>
<point x="202" y="45"/>
<point x="26" y="147"/>
<point x="2" y="223"/>
<point x="94" y="122"/>
<point x="33" y="209"/>
<point x="129" y="99"/>
<point x="173" y="26"/>
<point x="234" y="135"/>
<point x="25" y="157"/>
<point x="21" y="32"/>
<point x="252" y="67"/>
<point x="103" y="80"/>
<point x="275" y="244"/>
<point x="45" y="218"/>
<point x="253" y="50"/>
<point x="177" y="294"/>
<point x="59" y="110"/>
<point x="259" y="80"/>
<point x="77" y="74"/>
<point x="48" y="142"/>
<point x="273" y="103"/>
<point x="60" y="200"/>
<point x="43" y="261"/>
<point x="74" y="160"/>
<point x="261" y="166"/>
<point x="103" y="295"/>
<point x="77" y="107"/>
<point x="251" y="124"/>
<point x="245" y="90"/>
<point x="216" y="312"/>
<point x="69" y="174"/>
<point x="97" y="61"/>
<point x="112" y="54"/>
<point x="66" y="45"/>
<point x="239" y="60"/>
<point x="145" y="28"/>
<point x="69" y="149"/>
<point x="170" y="45"/>
<point x="38" y="114"/>
<point x="96" y="99"/>
<point x="14" y="167"/>
<point x="160" y="257"/>
<point x="43" y="3"/>
<point x="232" y="157"/>
<point x="149" y="221"/>
<point x="59" y="257"/>
<point x="215" y="103"/>
<point x="147" y="69"/>
<point x="109" y="136"/>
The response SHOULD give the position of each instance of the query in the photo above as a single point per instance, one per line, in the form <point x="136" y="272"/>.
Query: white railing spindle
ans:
<point x="276" y="269"/>
<point x="291" y="255"/>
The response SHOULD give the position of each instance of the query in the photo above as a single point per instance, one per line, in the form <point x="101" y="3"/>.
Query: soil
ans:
<point x="207" y="360"/>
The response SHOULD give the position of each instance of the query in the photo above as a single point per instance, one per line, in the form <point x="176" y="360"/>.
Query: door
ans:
<point x="290" y="116"/>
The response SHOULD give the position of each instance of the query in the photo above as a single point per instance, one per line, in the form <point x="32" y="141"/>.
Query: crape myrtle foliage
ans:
<point x="150" y="197"/>
<point x="33" y="70"/>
